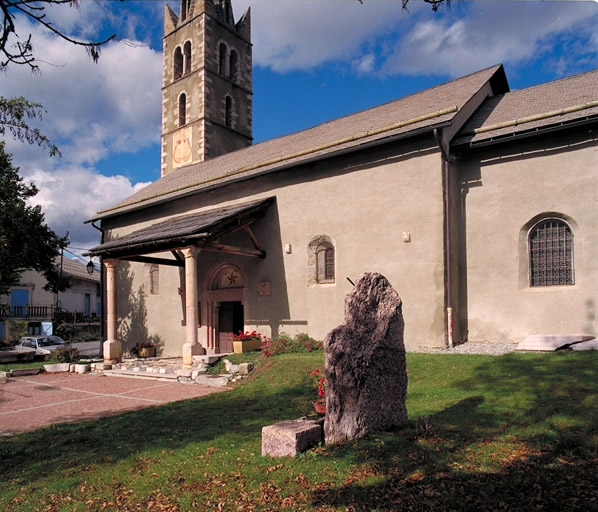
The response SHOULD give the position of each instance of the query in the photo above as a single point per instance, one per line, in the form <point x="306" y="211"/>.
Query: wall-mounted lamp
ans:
<point x="90" y="267"/>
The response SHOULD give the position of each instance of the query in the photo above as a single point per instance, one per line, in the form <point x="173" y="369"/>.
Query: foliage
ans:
<point x="284" y="344"/>
<point x="65" y="354"/>
<point x="516" y="432"/>
<point x="14" y="112"/>
<point x="39" y="248"/>
<point x="140" y="345"/>
<point x="66" y="331"/>
<point x="248" y="336"/>
<point x="15" y="49"/>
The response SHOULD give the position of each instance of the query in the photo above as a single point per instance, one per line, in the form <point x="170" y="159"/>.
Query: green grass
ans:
<point x="517" y="432"/>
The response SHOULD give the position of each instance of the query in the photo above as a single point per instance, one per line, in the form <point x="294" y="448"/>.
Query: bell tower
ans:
<point x="206" y="83"/>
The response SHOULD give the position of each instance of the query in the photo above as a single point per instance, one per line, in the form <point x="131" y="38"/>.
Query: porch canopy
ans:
<point x="202" y="230"/>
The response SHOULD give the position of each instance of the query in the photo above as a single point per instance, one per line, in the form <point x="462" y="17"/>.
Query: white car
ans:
<point x="43" y="345"/>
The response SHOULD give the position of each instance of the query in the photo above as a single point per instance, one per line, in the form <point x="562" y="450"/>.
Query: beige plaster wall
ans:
<point x="503" y="190"/>
<point x="364" y="208"/>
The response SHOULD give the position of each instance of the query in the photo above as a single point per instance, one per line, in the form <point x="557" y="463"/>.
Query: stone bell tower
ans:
<point x="206" y="83"/>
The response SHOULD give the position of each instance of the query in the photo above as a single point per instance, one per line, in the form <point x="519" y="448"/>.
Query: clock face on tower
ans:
<point x="229" y="278"/>
<point x="181" y="147"/>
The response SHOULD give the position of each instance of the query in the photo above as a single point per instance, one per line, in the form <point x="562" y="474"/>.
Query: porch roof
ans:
<point x="202" y="229"/>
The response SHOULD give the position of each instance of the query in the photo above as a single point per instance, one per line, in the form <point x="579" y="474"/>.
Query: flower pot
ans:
<point x="240" y="347"/>
<point x="320" y="406"/>
<point x="147" y="352"/>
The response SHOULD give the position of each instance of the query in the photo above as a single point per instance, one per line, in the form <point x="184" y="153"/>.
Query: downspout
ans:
<point x="102" y="312"/>
<point x="446" y="164"/>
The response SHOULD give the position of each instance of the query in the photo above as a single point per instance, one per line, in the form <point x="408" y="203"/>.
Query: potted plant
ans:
<point x="320" y="403"/>
<point x="144" y="349"/>
<point x="247" y="341"/>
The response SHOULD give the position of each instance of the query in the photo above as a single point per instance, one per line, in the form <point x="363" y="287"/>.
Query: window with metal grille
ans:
<point x="551" y="253"/>
<point x="154" y="279"/>
<point x="325" y="264"/>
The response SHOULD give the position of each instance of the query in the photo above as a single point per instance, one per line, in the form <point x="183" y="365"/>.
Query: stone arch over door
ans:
<point x="224" y="306"/>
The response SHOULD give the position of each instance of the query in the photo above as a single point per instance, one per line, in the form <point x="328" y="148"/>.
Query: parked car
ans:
<point x="43" y="345"/>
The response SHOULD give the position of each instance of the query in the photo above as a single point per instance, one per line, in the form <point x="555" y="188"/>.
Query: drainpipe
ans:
<point x="102" y="312"/>
<point x="446" y="164"/>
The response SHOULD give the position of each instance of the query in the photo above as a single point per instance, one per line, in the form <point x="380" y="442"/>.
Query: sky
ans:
<point x="314" y="60"/>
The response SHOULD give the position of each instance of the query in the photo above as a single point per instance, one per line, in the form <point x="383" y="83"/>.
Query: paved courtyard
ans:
<point x="34" y="401"/>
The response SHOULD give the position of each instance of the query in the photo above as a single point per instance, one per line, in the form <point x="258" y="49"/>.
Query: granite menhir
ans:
<point x="366" y="372"/>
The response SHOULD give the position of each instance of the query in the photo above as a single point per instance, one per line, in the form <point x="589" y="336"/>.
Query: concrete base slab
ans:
<point x="585" y="345"/>
<point x="59" y="367"/>
<point x="215" y="381"/>
<point x="551" y="342"/>
<point x="20" y="372"/>
<point x="288" y="438"/>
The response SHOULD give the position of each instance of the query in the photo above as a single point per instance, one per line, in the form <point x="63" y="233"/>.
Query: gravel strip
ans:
<point x="471" y="347"/>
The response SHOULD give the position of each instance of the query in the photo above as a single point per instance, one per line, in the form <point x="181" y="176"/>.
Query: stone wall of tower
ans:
<point x="209" y="31"/>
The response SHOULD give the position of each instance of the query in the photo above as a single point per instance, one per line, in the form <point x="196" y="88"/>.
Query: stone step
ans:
<point x="208" y="359"/>
<point x="165" y="377"/>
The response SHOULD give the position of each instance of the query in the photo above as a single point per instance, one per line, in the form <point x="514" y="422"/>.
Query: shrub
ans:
<point x="65" y="354"/>
<point x="66" y="331"/>
<point x="284" y="344"/>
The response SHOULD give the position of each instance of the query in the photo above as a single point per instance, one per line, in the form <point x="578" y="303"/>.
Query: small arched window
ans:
<point x="178" y="63"/>
<point x="551" y="253"/>
<point x="154" y="279"/>
<point x="234" y="65"/>
<point x="228" y="111"/>
<point x="187" y="58"/>
<point x="222" y="59"/>
<point x="182" y="109"/>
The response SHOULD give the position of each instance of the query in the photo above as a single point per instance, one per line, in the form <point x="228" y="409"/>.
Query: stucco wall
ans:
<point x="503" y="190"/>
<point x="364" y="208"/>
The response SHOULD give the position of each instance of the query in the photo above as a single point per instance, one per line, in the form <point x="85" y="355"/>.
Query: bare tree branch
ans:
<point x="21" y="52"/>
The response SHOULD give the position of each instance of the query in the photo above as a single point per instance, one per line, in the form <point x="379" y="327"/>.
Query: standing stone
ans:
<point x="366" y="372"/>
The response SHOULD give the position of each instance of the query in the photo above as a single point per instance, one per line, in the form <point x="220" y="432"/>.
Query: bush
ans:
<point x="67" y="332"/>
<point x="284" y="344"/>
<point x="65" y="354"/>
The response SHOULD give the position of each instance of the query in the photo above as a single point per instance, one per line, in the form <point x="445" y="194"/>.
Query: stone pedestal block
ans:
<point x="113" y="351"/>
<point x="288" y="438"/>
<point x="190" y="350"/>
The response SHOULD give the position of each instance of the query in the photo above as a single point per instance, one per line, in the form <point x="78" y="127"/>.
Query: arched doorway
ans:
<point x="224" y="297"/>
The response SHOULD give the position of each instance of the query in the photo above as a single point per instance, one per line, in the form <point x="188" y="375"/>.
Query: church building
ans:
<point x="478" y="203"/>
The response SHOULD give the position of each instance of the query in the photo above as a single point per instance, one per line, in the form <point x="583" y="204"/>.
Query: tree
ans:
<point x="26" y="242"/>
<point x="15" y="50"/>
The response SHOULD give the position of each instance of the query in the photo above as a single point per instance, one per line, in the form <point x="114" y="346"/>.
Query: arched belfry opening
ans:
<point x="224" y="298"/>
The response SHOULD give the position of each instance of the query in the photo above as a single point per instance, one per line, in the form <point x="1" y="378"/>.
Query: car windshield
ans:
<point x="46" y="342"/>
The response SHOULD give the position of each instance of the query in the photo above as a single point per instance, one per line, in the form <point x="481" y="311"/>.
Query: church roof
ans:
<point x="553" y="104"/>
<point x="411" y="115"/>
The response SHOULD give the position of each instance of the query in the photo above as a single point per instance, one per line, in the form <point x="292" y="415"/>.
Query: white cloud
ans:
<point x="70" y="195"/>
<point x="93" y="111"/>
<point x="295" y="35"/>
<point x="489" y="33"/>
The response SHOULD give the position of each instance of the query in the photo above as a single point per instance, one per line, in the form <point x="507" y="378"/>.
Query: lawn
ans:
<point x="517" y="432"/>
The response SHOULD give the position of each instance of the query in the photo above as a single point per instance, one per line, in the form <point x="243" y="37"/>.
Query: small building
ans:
<point x="28" y="301"/>
<point x="478" y="203"/>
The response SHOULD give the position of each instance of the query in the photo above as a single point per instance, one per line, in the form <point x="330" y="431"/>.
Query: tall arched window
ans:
<point x="182" y="109"/>
<point x="184" y="9"/>
<point x="187" y="58"/>
<point x="228" y="111"/>
<point x="154" y="279"/>
<point x="551" y="253"/>
<point x="178" y="63"/>
<point x="234" y="65"/>
<point x="222" y="59"/>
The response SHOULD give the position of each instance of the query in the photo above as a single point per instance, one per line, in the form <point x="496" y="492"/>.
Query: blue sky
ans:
<point x="314" y="60"/>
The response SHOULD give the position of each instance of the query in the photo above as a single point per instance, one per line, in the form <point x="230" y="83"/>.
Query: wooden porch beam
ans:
<point x="157" y="261"/>
<point x="229" y="249"/>
<point x="254" y="241"/>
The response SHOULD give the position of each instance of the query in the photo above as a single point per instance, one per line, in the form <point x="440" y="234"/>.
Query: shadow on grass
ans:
<point x="527" y="439"/>
<point x="236" y="416"/>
